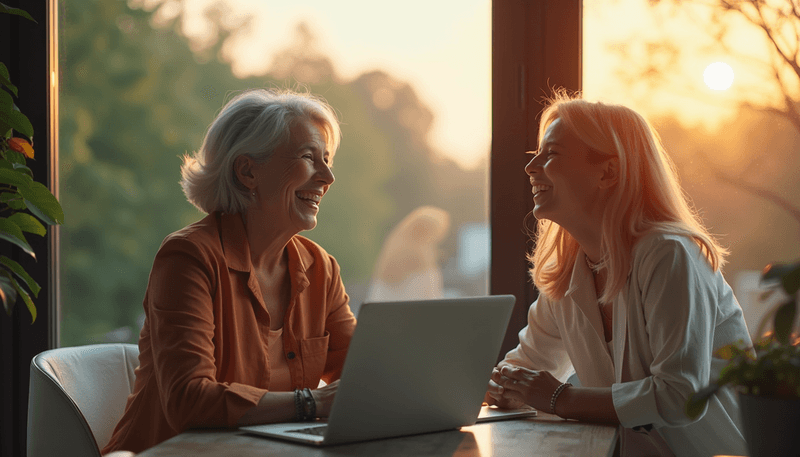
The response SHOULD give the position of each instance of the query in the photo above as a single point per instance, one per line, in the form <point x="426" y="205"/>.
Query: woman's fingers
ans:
<point x="518" y="373"/>
<point x="521" y="385"/>
<point x="494" y="390"/>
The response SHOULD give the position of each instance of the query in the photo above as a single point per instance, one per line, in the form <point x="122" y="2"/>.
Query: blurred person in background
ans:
<point x="408" y="265"/>
<point x="243" y="316"/>
<point x="631" y="296"/>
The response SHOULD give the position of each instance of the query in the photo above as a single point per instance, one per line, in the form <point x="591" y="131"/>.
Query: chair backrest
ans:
<point x="77" y="395"/>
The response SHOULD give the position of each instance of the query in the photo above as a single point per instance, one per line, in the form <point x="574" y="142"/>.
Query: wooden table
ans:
<point x="545" y="435"/>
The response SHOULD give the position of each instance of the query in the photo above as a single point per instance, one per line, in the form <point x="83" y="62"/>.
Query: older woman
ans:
<point x="243" y="315"/>
<point x="631" y="293"/>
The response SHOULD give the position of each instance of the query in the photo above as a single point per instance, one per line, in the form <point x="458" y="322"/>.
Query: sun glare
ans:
<point x="718" y="76"/>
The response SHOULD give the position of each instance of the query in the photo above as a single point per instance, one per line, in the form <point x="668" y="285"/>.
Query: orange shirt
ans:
<point x="204" y="357"/>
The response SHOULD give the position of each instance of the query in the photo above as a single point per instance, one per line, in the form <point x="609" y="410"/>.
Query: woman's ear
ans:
<point x="610" y="173"/>
<point x="243" y="167"/>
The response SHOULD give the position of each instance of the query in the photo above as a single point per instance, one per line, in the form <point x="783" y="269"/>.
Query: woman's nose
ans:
<point x="326" y="174"/>
<point x="531" y="167"/>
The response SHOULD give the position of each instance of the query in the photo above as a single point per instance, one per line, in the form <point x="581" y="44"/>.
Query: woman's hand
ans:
<point x="517" y="386"/>
<point x="494" y="395"/>
<point x="323" y="397"/>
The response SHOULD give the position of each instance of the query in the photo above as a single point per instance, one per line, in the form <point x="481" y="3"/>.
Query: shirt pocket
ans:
<point x="314" y="354"/>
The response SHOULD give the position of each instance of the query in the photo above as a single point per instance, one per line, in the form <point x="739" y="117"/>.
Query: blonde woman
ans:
<point x="631" y="296"/>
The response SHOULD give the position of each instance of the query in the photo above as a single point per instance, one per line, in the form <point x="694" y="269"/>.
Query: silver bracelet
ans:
<point x="557" y="392"/>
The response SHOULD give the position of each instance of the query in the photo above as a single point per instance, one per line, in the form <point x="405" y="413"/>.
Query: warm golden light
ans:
<point x="718" y="76"/>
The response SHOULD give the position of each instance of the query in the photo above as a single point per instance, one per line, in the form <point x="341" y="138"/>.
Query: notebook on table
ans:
<point x="412" y="367"/>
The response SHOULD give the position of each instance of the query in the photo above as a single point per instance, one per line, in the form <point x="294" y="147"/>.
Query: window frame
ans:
<point x="536" y="45"/>
<point x="29" y="50"/>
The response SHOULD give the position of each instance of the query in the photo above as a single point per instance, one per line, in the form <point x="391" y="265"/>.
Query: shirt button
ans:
<point x="290" y="355"/>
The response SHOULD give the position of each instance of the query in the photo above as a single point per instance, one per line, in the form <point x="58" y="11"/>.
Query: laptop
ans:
<point x="412" y="367"/>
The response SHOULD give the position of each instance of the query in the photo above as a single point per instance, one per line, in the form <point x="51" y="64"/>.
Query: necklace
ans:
<point x="592" y="266"/>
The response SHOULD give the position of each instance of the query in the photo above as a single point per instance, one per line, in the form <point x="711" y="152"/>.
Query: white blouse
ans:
<point x="669" y="319"/>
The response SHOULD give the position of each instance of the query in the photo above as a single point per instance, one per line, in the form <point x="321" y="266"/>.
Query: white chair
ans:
<point x="77" y="395"/>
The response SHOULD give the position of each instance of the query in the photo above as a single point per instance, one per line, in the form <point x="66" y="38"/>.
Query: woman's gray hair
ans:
<point x="253" y="123"/>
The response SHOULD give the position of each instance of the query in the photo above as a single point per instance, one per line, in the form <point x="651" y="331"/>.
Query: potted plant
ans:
<point x="23" y="201"/>
<point x="767" y="375"/>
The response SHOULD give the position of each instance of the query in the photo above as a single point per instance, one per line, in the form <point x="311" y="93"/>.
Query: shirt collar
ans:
<point x="233" y="238"/>
<point x="582" y="292"/>
<point x="581" y="276"/>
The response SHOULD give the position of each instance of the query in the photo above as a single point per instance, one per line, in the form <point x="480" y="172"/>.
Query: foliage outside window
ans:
<point x="136" y="94"/>
<point x="21" y="197"/>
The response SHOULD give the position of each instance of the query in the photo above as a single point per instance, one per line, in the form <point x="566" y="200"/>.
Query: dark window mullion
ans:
<point x="536" y="46"/>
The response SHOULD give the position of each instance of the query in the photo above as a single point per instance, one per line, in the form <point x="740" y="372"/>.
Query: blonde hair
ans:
<point x="253" y="123"/>
<point x="646" y="198"/>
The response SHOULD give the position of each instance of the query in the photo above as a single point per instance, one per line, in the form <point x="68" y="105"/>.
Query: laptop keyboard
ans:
<point x="318" y="431"/>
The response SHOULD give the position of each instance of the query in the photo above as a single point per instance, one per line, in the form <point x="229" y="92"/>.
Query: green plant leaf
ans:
<point x="11" y="232"/>
<point x="24" y="168"/>
<point x="42" y="203"/>
<point x="22" y="274"/>
<point x="697" y="401"/>
<point x="5" y="79"/>
<point x="16" y="158"/>
<point x="16" y="11"/>
<point x="17" y="121"/>
<point x="15" y="178"/>
<point x="5" y="164"/>
<point x="791" y="282"/>
<point x="784" y="320"/>
<point x="788" y="274"/>
<point x="8" y="294"/>
<point x="26" y="298"/>
<point x="28" y="223"/>
<point x="727" y="352"/>
<point x="6" y="102"/>
<point x="13" y="199"/>
<point x="5" y="130"/>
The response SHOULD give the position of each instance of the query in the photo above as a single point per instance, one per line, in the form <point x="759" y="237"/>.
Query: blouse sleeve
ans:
<point x="540" y="346"/>
<point x="340" y="325"/>
<point x="679" y="301"/>
<point x="181" y="324"/>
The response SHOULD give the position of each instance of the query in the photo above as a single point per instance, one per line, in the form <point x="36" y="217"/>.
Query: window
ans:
<point x="141" y="82"/>
<point x="703" y="76"/>
<point x="512" y="53"/>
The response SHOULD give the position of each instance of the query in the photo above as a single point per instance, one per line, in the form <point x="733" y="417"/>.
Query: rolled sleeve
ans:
<point x="540" y="345"/>
<point x="678" y="312"/>
<point x="181" y="320"/>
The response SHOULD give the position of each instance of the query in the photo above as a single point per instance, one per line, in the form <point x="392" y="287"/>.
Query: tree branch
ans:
<point x="766" y="194"/>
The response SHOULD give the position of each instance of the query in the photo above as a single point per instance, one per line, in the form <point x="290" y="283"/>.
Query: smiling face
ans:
<point x="291" y="183"/>
<point x="567" y="180"/>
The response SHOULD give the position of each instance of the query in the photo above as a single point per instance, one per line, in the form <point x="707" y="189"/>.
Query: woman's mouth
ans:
<point x="311" y="198"/>
<point x="539" y="188"/>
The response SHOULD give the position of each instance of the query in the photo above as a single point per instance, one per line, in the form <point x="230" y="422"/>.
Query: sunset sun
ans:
<point x="718" y="76"/>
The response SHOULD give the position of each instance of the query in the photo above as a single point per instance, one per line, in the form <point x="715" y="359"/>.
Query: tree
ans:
<point x="137" y="94"/>
<point x="742" y="174"/>
<point x="778" y="22"/>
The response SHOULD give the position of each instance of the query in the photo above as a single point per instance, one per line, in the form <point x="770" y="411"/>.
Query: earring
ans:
<point x="254" y="194"/>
